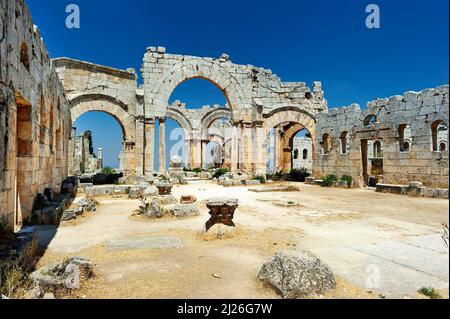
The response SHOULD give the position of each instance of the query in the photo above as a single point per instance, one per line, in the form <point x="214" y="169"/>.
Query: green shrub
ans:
<point x="430" y="292"/>
<point x="107" y="170"/>
<point x="220" y="172"/>
<point x="197" y="170"/>
<point x="261" y="178"/>
<point x="299" y="175"/>
<point x="329" y="180"/>
<point x="348" y="180"/>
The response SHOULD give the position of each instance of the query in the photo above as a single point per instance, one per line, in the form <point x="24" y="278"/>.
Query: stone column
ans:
<point x="162" y="145"/>
<point x="149" y="149"/>
<point x="234" y="149"/>
<point x="258" y="146"/>
<point x="204" y="147"/>
<point x="71" y="151"/>
<point x="187" y="153"/>
<point x="196" y="153"/>
<point x="276" y="149"/>
<point x="247" y="147"/>
<point x="140" y="145"/>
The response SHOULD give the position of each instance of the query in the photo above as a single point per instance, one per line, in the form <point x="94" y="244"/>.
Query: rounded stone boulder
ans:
<point x="297" y="275"/>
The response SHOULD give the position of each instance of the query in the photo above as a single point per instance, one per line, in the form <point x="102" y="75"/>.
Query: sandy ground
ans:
<point x="378" y="245"/>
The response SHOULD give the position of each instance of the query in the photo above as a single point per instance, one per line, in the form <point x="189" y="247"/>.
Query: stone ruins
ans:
<point x="398" y="140"/>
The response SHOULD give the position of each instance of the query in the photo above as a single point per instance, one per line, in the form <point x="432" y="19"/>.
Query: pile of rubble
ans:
<point x="230" y="179"/>
<point x="82" y="206"/>
<point x="165" y="204"/>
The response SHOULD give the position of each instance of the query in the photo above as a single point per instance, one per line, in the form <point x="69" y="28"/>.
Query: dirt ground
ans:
<point x="378" y="245"/>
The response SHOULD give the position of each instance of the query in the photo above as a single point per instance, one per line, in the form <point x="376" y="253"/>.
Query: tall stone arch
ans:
<point x="293" y="120"/>
<point x="84" y="103"/>
<point x="159" y="90"/>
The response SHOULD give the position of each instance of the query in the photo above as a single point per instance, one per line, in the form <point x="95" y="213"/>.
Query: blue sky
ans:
<point x="299" y="40"/>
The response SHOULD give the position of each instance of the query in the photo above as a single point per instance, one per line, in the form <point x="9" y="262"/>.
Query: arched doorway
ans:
<point x="98" y="143"/>
<point x="282" y="127"/>
<point x="118" y="118"/>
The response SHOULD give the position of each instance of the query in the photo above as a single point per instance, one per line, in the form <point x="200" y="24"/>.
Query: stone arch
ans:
<point x="197" y="68"/>
<point x="291" y="115"/>
<point x="182" y="120"/>
<point x="294" y="120"/>
<point x="213" y="116"/>
<point x="82" y="104"/>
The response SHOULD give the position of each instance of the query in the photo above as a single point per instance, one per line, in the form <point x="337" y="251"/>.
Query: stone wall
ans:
<point x="400" y="134"/>
<point x="35" y="122"/>
<point x="85" y="160"/>
<point x="303" y="153"/>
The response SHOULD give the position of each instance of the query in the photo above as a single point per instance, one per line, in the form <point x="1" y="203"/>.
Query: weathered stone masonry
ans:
<point x="410" y="130"/>
<point x="34" y="115"/>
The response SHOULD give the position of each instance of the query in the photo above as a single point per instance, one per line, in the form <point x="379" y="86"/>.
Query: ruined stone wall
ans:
<point x="34" y="115"/>
<point x="85" y="160"/>
<point x="303" y="146"/>
<point x="96" y="88"/>
<point x="251" y="92"/>
<point x="418" y="111"/>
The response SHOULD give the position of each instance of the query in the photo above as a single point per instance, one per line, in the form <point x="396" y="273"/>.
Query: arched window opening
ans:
<point x="439" y="133"/>
<point x="305" y="154"/>
<point x="443" y="147"/>
<point x="405" y="135"/>
<point x="371" y="119"/>
<point x="296" y="154"/>
<point x="406" y="147"/>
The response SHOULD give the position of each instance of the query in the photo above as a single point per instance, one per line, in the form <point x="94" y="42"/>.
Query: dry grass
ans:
<point x="14" y="271"/>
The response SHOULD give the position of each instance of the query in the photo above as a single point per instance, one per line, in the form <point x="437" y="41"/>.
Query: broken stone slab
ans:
<point x="310" y="180"/>
<point x="166" y="200"/>
<point x="87" y="204"/>
<point x="391" y="188"/>
<point x="185" y="210"/>
<point x="252" y="182"/>
<point x="62" y="275"/>
<point x="296" y="275"/>
<point x="163" y="242"/>
<point x="68" y="215"/>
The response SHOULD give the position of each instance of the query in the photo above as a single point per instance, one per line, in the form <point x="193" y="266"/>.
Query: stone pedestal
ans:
<point x="221" y="211"/>
<point x="164" y="189"/>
